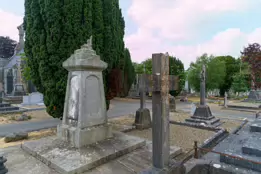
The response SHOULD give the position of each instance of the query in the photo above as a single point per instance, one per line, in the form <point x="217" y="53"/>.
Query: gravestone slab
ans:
<point x="32" y="99"/>
<point x="66" y="159"/>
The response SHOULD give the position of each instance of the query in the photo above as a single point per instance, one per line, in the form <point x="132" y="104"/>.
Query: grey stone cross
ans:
<point x="160" y="110"/>
<point x="203" y="86"/>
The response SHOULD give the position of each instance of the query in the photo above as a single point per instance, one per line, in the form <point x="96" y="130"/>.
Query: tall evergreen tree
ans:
<point x="55" y="29"/>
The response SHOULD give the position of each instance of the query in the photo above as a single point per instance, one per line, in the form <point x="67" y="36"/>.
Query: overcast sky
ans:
<point x="184" y="28"/>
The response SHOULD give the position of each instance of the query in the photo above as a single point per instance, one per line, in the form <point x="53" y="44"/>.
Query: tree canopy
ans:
<point x="55" y="29"/>
<point x="215" y="72"/>
<point x="252" y="55"/>
<point x="232" y="67"/>
<point x="7" y="47"/>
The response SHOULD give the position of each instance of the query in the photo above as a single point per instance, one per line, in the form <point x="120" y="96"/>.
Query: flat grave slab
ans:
<point x="21" y="162"/>
<point x="252" y="146"/>
<point x="244" y="105"/>
<point x="65" y="159"/>
<point x="232" y="146"/>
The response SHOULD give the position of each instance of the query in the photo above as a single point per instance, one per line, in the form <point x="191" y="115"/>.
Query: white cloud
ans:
<point x="9" y="23"/>
<point x="180" y="20"/>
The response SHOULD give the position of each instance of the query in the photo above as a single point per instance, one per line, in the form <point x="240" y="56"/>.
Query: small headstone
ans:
<point x="16" y="137"/>
<point x="3" y="169"/>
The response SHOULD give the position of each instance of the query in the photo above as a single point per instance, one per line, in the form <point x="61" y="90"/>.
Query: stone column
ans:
<point x="85" y="117"/>
<point x="203" y="86"/>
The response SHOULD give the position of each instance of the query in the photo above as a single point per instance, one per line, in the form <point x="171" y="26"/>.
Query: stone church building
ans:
<point x="10" y="69"/>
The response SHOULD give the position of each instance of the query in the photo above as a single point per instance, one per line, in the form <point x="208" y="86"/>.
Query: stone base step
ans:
<point x="256" y="126"/>
<point x="244" y="107"/>
<point x="208" y="122"/>
<point x="11" y="108"/>
<point x="5" y="105"/>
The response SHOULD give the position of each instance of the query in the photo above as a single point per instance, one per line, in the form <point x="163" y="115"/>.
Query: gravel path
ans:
<point x="181" y="136"/>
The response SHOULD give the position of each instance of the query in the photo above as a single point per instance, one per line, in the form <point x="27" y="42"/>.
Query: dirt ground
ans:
<point x="35" y="115"/>
<point x="181" y="136"/>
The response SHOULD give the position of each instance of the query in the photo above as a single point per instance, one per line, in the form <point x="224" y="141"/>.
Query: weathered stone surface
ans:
<point x="3" y="169"/>
<point x="66" y="159"/>
<point x="21" y="162"/>
<point x="239" y="158"/>
<point x="16" y="137"/>
<point x="82" y="137"/>
<point x="203" y="112"/>
<point x="174" y="168"/>
<point x="84" y="117"/>
<point x="256" y="126"/>
<point x="142" y="119"/>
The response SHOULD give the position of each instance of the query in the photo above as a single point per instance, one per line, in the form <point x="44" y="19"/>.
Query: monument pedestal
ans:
<point x="82" y="137"/>
<point x="254" y="96"/>
<point x="204" y="115"/>
<point x="143" y="119"/>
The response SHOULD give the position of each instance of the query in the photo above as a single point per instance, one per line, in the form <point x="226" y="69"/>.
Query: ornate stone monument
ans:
<point x="84" y="139"/>
<point x="84" y="117"/>
<point x="203" y="113"/>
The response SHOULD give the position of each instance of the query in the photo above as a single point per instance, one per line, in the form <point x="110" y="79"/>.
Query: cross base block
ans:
<point x="142" y="119"/>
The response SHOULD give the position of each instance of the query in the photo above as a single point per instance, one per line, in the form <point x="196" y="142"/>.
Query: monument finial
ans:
<point x="89" y="42"/>
<point x="88" y="45"/>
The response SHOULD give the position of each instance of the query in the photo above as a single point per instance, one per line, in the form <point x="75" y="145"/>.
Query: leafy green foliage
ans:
<point x="240" y="83"/>
<point x="215" y="72"/>
<point x="26" y="70"/>
<point x="176" y="67"/>
<point x="7" y="47"/>
<point x="241" y="80"/>
<point x="232" y="67"/>
<point x="55" y="29"/>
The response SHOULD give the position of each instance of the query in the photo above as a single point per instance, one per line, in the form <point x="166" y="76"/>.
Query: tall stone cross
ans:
<point x="203" y="86"/>
<point x="160" y="109"/>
